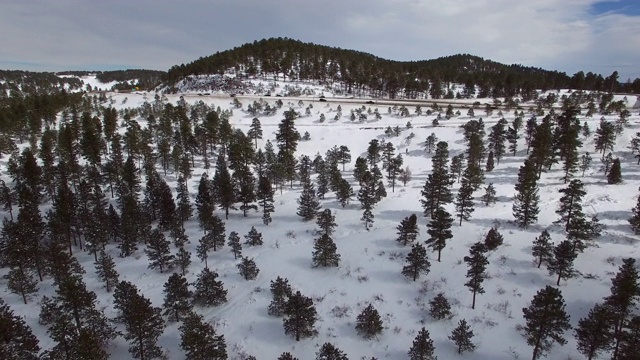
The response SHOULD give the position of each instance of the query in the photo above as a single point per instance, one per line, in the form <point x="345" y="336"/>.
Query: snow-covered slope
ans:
<point x="369" y="272"/>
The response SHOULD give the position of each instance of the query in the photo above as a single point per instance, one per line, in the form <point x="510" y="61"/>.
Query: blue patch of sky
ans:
<point x="624" y="7"/>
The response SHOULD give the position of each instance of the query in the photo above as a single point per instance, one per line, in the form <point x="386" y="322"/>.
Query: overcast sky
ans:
<point x="564" y="35"/>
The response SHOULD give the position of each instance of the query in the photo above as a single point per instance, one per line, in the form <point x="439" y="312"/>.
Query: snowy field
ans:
<point x="370" y="270"/>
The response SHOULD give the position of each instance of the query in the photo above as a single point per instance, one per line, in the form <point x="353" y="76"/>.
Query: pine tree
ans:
<point x="570" y="203"/>
<point x="255" y="131"/>
<point x="106" y="271"/>
<point x="422" y="348"/>
<point x="21" y="282"/>
<point x="281" y="291"/>
<point x="177" y="297"/>
<point x="329" y="352"/>
<point x="490" y="162"/>
<point x="205" y="203"/>
<point x="199" y="340"/>
<point x="594" y="333"/>
<point x="546" y="321"/>
<point x="464" y="199"/>
<point x="367" y="198"/>
<point x="430" y="143"/>
<point x="247" y="268"/>
<point x="461" y="336"/>
<point x="326" y="222"/>
<point x="634" y="220"/>
<point x="615" y="174"/>
<point x="436" y="192"/>
<point x="158" y="252"/>
<point x="439" y="230"/>
<point x="265" y="198"/>
<point x="417" y="262"/>
<point x="525" y="205"/>
<point x="308" y="204"/>
<point x="182" y="259"/>
<point x="225" y="193"/>
<point x="477" y="262"/>
<point x="625" y="294"/>
<point x="208" y="290"/>
<point x="543" y="248"/>
<point x="585" y="162"/>
<point x="234" y="244"/>
<point x="489" y="196"/>
<point x="143" y="322"/>
<point x="456" y="166"/>
<point x="184" y="210"/>
<point x="408" y="230"/>
<point x="562" y="263"/>
<point x="605" y="137"/>
<point x="493" y="239"/>
<point x="439" y="307"/>
<point x="344" y="192"/>
<point x="369" y="323"/>
<point x="630" y="339"/>
<point x="512" y="138"/>
<point x="253" y="238"/>
<point x="287" y="355"/>
<point x="18" y="341"/>
<point x="300" y="316"/>
<point x="325" y="252"/>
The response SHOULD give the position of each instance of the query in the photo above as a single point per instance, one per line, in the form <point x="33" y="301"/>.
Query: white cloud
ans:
<point x="553" y="34"/>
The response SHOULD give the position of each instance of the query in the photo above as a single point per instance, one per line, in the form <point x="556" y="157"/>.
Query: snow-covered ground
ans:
<point x="369" y="272"/>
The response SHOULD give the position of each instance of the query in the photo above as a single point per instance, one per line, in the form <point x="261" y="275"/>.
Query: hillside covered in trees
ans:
<point x="365" y="74"/>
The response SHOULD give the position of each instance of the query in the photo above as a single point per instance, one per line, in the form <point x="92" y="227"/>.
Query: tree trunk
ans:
<point x="473" y="304"/>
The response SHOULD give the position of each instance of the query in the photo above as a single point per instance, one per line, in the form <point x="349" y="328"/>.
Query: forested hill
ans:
<point x="359" y="70"/>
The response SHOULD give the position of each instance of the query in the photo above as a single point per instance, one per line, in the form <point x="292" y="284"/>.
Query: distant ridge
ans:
<point x="360" y="71"/>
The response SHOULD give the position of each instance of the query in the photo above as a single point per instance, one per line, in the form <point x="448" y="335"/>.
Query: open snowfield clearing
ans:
<point x="371" y="261"/>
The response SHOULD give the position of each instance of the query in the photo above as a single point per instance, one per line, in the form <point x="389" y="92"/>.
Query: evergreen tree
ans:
<point x="287" y="355"/>
<point x="605" y="137"/>
<point x="464" y="199"/>
<point x="360" y="168"/>
<point x="594" y="334"/>
<point x="490" y="162"/>
<point x="218" y="236"/>
<point x="630" y="339"/>
<point x="456" y="166"/>
<point x="489" y="196"/>
<point x="615" y="174"/>
<point x="439" y="307"/>
<point x="430" y="143"/>
<point x="417" y="262"/>
<point x="177" y="297"/>
<point x="344" y="192"/>
<point x="543" y="152"/>
<point x="184" y="210"/>
<point x="21" y="282"/>
<point x="369" y="323"/>
<point x="439" y="230"/>
<point x="570" y="203"/>
<point x="183" y="259"/>
<point x="562" y="263"/>
<point x="281" y="291"/>
<point x="255" y="131"/>
<point x="143" y="322"/>
<point x="625" y="294"/>
<point x="497" y="137"/>
<point x="546" y="321"/>
<point x="308" y="204"/>
<point x="225" y="193"/>
<point x="199" y="340"/>
<point x="300" y="316"/>
<point x="265" y="198"/>
<point x="477" y="272"/>
<point x="158" y="252"/>
<point x="325" y="252"/>
<point x="512" y="138"/>
<point x="18" y="341"/>
<point x="585" y="162"/>
<point x="493" y="239"/>
<point x="461" y="336"/>
<point x="422" y="348"/>
<point x="436" y="192"/>
<point x="329" y="352"/>
<point x="208" y="290"/>
<point x="234" y="244"/>
<point x="525" y="205"/>
<point x="634" y="220"/>
<point x="247" y="268"/>
<point x="253" y="238"/>
<point x="326" y="222"/>
<point x="367" y="198"/>
<point x="205" y="203"/>
<point x="543" y="248"/>
<point x="106" y="271"/>
<point x="408" y="230"/>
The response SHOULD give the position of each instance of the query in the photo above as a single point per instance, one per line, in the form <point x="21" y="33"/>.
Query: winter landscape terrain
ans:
<point x="370" y="269"/>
